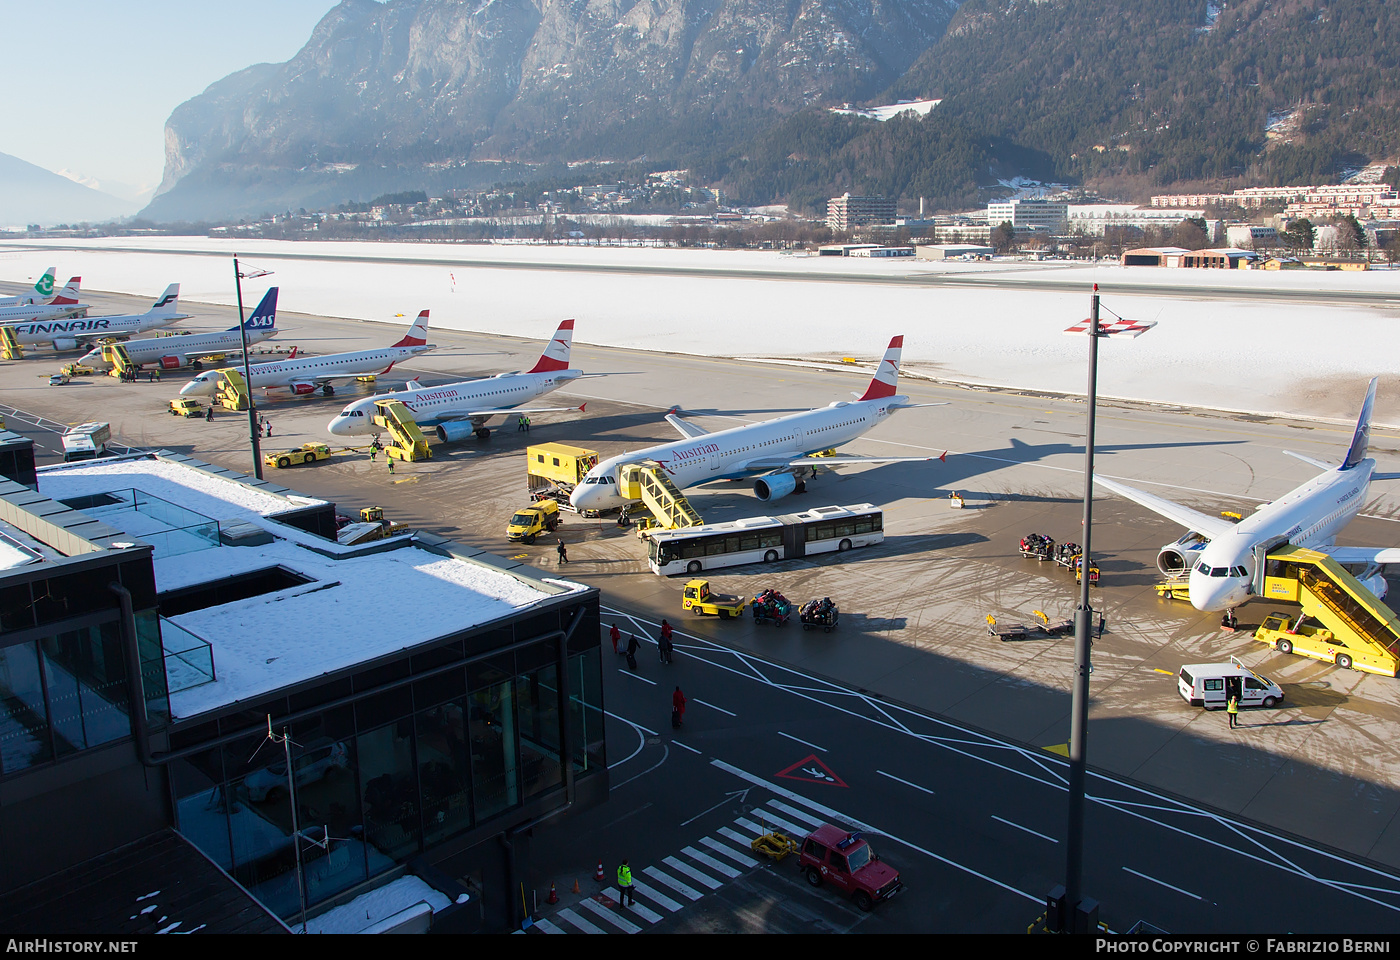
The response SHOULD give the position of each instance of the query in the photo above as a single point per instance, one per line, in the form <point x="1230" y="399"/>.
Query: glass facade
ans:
<point x="394" y="773"/>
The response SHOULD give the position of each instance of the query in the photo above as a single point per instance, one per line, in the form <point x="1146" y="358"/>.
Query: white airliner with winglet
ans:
<point x="1223" y="556"/>
<point x="172" y="353"/>
<point x="459" y="410"/>
<point x="305" y="375"/>
<point x="43" y="292"/>
<point x="69" y="334"/>
<point x="778" y="451"/>
<point x="56" y="307"/>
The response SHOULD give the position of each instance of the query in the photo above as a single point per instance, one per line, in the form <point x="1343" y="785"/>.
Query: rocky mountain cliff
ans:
<point x="384" y="95"/>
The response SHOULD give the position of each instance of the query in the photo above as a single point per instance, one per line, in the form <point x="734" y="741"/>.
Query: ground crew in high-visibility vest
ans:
<point x="624" y="883"/>
<point x="1233" y="708"/>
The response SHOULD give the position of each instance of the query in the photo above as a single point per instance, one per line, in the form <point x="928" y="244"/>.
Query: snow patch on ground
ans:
<point x="370" y="908"/>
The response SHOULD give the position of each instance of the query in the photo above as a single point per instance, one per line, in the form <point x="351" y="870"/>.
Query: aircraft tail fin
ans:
<point x="69" y="293"/>
<point x="886" y="378"/>
<point x="264" y="315"/>
<point x="1362" y="438"/>
<point x="417" y="335"/>
<point x="556" y="355"/>
<point x="43" y="290"/>
<point x="168" y="304"/>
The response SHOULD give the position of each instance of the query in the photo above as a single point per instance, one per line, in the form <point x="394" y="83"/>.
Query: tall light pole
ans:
<point x="254" y="430"/>
<point x="1075" y="904"/>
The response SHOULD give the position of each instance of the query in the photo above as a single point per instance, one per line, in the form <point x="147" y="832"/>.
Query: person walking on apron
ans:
<point x="562" y="551"/>
<point x="677" y="708"/>
<point x="1233" y="709"/>
<point x="631" y="651"/>
<point x="615" y="635"/>
<point x="624" y="884"/>
<point x="664" y="646"/>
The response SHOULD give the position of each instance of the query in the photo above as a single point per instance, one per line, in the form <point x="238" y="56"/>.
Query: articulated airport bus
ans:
<point x="764" y="539"/>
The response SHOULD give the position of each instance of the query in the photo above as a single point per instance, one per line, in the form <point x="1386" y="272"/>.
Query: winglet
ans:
<point x="943" y="457"/>
<point x="886" y="377"/>
<point x="556" y="355"/>
<point x="417" y="335"/>
<point x="293" y="354"/>
<point x="1362" y="438"/>
<point x="581" y="406"/>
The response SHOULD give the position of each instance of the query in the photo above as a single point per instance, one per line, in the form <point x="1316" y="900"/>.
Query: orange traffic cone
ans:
<point x="576" y="889"/>
<point x="600" y="876"/>
<point x="553" y="895"/>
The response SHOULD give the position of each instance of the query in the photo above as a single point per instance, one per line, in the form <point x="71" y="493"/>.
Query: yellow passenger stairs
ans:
<point x="9" y="345"/>
<point x="647" y="482"/>
<point x="116" y="355"/>
<point x="408" y="441"/>
<point x="1359" y="630"/>
<point x="233" y="390"/>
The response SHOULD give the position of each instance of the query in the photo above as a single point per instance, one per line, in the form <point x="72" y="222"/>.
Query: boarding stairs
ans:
<point x="647" y="481"/>
<point x="409" y="444"/>
<point x="9" y="344"/>
<point x="116" y="355"/>
<point x="1340" y="602"/>
<point x="233" y="390"/>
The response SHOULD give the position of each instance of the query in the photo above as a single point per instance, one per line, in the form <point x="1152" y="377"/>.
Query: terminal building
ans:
<point x="159" y="617"/>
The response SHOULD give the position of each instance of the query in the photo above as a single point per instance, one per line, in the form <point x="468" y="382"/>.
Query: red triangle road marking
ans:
<point x="811" y="770"/>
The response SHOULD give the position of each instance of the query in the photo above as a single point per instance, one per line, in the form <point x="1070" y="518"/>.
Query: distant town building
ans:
<point x="1029" y="215"/>
<point x="1357" y="199"/>
<point x="1224" y="258"/>
<point x="845" y="213"/>
<point x="1251" y="236"/>
<point x="953" y="251"/>
<point x="1093" y="219"/>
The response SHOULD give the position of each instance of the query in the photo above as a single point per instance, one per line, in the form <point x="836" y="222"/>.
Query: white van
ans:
<point x="1210" y="684"/>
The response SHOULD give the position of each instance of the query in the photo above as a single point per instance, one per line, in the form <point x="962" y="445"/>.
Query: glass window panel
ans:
<point x="65" y="706"/>
<point x="389" y="787"/>
<point x="260" y="833"/>
<point x="491" y="727"/>
<point x="537" y="714"/>
<point x="586" y="711"/>
<point x="16" y="610"/>
<point x="328" y="805"/>
<point x="24" y="726"/>
<point x="203" y="805"/>
<point x="444" y="770"/>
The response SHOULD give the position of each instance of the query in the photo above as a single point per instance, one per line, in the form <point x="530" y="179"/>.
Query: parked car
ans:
<point x="314" y="763"/>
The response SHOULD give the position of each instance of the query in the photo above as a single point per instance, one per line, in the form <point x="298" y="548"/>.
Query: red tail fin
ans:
<point x="417" y="334"/>
<point x="886" y="377"/>
<point x="556" y="355"/>
<point x="69" y="293"/>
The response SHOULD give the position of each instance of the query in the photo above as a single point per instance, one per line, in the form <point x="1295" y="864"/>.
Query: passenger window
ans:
<point x="814" y="849"/>
<point x="1214" y="685"/>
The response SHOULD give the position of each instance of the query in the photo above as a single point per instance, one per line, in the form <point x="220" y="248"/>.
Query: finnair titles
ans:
<point x="69" y="334"/>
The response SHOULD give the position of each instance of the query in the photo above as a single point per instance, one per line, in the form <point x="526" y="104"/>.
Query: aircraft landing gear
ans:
<point x="482" y="433"/>
<point x="328" y="390"/>
<point x="1228" y="621"/>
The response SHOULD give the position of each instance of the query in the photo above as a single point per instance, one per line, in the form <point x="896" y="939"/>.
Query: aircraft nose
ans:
<point x="1210" y="594"/>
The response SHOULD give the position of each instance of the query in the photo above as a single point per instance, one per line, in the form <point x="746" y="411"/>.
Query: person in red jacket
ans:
<point x="677" y="707"/>
<point x="615" y="635"/>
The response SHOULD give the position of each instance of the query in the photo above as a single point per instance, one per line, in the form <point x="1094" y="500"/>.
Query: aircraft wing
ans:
<point x="1362" y="554"/>
<point x="1202" y="523"/>
<point x="764" y="464"/>
<point x="475" y="414"/>
<point x="688" y="430"/>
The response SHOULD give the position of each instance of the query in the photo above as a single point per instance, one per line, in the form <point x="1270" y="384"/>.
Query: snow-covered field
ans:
<point x="1266" y="356"/>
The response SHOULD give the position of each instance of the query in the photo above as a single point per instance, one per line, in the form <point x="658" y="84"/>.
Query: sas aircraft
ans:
<point x="305" y="375"/>
<point x="56" y="307"/>
<point x="777" y="451"/>
<point x="42" y="293"/>
<point x="459" y="410"/>
<point x="70" y="333"/>
<point x="1223" y="557"/>
<point x="172" y="353"/>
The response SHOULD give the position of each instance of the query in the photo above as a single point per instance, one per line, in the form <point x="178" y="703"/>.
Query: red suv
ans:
<point x="841" y="858"/>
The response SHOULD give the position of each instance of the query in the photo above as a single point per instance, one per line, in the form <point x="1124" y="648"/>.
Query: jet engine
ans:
<point x="774" y="486"/>
<point x="454" y="430"/>
<point x="66" y="343"/>
<point x="303" y="389"/>
<point x="1180" y="556"/>
<point x="172" y="362"/>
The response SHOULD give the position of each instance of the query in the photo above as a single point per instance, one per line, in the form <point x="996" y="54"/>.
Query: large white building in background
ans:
<point x="1029" y="215"/>
<point x="1093" y="219"/>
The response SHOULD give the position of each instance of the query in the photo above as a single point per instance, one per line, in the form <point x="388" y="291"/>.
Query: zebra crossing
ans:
<point x="683" y="877"/>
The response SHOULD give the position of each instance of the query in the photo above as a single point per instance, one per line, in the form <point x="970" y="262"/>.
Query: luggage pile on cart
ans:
<point x="1043" y="625"/>
<point x="770" y="605"/>
<point x="821" y="613"/>
<point x="1037" y="546"/>
<point x="1067" y="553"/>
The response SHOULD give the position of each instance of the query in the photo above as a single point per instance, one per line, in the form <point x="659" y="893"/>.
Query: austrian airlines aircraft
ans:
<point x="172" y="353"/>
<point x="458" y="410"/>
<point x="777" y="450"/>
<point x="68" y="334"/>
<point x="1223" y="556"/>
<point x="42" y="292"/>
<point x="305" y="375"/>
<point x="64" y="304"/>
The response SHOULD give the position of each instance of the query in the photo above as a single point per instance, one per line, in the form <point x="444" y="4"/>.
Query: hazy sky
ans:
<point x="88" y="84"/>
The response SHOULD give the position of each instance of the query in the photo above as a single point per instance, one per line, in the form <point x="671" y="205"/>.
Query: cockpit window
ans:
<point x="1238" y="572"/>
<point x="590" y="479"/>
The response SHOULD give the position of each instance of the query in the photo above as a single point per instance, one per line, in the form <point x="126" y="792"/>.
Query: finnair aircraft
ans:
<point x="304" y="375"/>
<point x="458" y="410"/>
<point x="68" y="334"/>
<point x="778" y="451"/>
<point x="172" y="353"/>
<point x="1223" y="556"/>
<point x="64" y="304"/>
<point x="42" y="292"/>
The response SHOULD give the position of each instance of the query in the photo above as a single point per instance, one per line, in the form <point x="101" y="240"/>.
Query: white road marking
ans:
<point x="803" y="742"/>
<point x="1027" y="829"/>
<point x="573" y="918"/>
<point x="737" y="837"/>
<point x="655" y="896"/>
<point x="700" y="877"/>
<point x="665" y="879"/>
<point x="546" y="926"/>
<point x="636" y="909"/>
<point x="637" y="676"/>
<point x="712" y="706"/>
<point x="1162" y="883"/>
<point x="728" y="851"/>
<point x="905" y="782"/>
<point x="794" y="812"/>
<point x="611" y="916"/>
<point x="700" y="857"/>
<point x="757" y="829"/>
<point x="774" y="820"/>
<point x="685" y="746"/>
